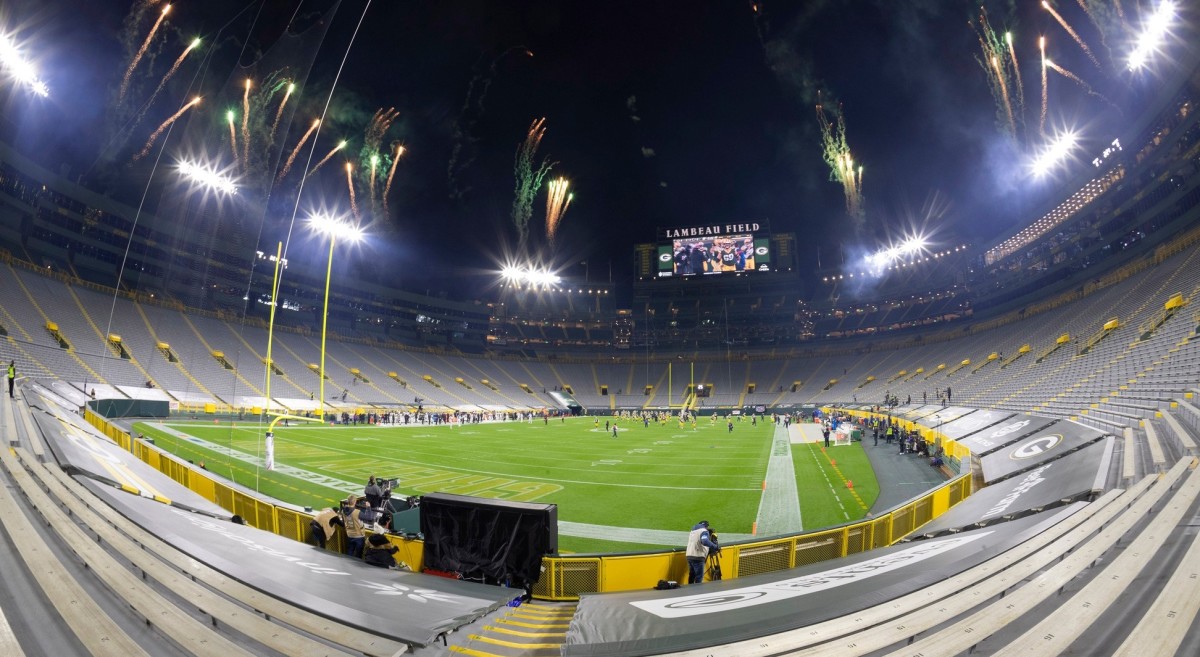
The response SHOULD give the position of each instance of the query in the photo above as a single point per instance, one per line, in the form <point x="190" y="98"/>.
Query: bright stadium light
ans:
<point x="208" y="177"/>
<point x="1153" y="35"/>
<point x="336" y="227"/>
<point x="20" y="69"/>
<point x="530" y="276"/>
<point x="1055" y="153"/>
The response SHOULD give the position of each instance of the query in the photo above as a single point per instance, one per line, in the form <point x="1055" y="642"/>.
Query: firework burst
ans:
<point x="387" y="187"/>
<point x="328" y="156"/>
<point x="165" y="124"/>
<point x="291" y="159"/>
<point x="1082" y="85"/>
<point x="174" y="68"/>
<point x="529" y="175"/>
<point x="1074" y="35"/>
<point x="371" y="183"/>
<point x="1012" y="54"/>
<point x="231" y="119"/>
<point x="246" y="124"/>
<point x="350" y="186"/>
<point x="995" y="57"/>
<point x="558" y="199"/>
<point x="371" y="152"/>
<point x="1045" y="94"/>
<point x="291" y="86"/>
<point x="841" y="163"/>
<point x="1012" y="124"/>
<point x="141" y="52"/>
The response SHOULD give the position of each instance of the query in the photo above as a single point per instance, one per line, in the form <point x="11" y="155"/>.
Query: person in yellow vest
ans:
<point x="12" y="376"/>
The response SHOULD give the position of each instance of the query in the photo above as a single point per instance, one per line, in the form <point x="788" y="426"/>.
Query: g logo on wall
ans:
<point x="762" y="250"/>
<point x="1036" y="446"/>
<point x="664" y="257"/>
<point x="1009" y="428"/>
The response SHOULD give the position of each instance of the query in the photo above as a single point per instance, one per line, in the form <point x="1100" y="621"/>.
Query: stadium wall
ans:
<point x="566" y="577"/>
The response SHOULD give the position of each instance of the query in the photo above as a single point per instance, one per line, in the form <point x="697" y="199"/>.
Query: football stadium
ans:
<point x="345" y="327"/>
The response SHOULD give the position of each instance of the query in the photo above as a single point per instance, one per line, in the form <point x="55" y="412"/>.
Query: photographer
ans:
<point x="700" y="545"/>
<point x="355" y="531"/>
<point x="321" y="526"/>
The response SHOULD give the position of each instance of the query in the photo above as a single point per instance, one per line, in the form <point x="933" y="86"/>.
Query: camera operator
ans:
<point x="700" y="544"/>
<point x="373" y="493"/>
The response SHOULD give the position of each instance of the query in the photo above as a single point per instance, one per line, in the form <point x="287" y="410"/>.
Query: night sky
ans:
<point x="661" y="114"/>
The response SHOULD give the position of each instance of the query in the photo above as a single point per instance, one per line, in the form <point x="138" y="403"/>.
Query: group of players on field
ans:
<point x="718" y="255"/>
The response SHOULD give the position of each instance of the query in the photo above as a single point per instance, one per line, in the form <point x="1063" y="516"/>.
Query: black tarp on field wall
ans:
<point x="492" y="540"/>
<point x="408" y="607"/>
<point x="116" y="408"/>
<point x="715" y="613"/>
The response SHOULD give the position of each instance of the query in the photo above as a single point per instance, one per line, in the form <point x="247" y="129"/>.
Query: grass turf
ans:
<point x="655" y="477"/>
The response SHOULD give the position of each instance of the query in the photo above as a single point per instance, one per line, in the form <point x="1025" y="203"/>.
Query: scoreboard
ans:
<point x="708" y="250"/>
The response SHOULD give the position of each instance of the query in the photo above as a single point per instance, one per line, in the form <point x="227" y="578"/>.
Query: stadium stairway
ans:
<point x="107" y="339"/>
<point x="535" y="629"/>
<point x="184" y="380"/>
<point x="34" y="311"/>
<point x="210" y="352"/>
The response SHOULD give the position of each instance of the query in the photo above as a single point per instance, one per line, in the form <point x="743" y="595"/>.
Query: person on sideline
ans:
<point x="698" y="547"/>
<point x="356" y="535"/>
<point x="322" y="524"/>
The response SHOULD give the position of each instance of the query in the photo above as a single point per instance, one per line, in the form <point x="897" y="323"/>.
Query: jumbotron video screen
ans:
<point x="704" y="256"/>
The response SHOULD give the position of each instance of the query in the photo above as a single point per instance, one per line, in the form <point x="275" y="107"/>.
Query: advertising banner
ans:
<point x="1070" y="478"/>
<point x="1047" y="443"/>
<point x="1005" y="433"/>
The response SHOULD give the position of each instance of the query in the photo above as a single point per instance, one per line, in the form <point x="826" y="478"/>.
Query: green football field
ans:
<point x="660" y="477"/>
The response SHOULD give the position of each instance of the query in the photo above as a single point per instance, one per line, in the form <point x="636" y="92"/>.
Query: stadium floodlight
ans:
<point x="530" y="276"/>
<point x="1153" y="35"/>
<point x="207" y="177"/>
<point x="19" y="68"/>
<point x="1056" y="152"/>
<point x="336" y="227"/>
<point x="914" y="244"/>
<point x="511" y="274"/>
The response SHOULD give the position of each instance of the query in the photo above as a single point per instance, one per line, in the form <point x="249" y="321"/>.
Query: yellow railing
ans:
<point x="256" y="512"/>
<point x="565" y="578"/>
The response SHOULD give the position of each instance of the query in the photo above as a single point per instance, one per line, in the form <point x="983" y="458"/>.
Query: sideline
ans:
<point x="779" y="507"/>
